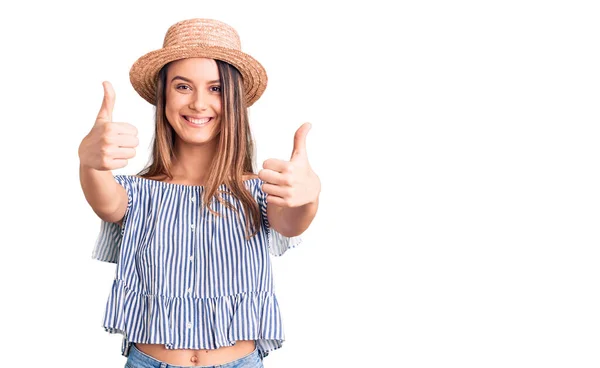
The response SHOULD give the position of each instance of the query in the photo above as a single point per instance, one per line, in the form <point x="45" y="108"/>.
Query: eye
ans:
<point x="215" y="89"/>
<point x="183" y="87"/>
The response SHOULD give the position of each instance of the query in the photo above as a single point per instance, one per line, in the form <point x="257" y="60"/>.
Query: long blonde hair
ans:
<point x="235" y="148"/>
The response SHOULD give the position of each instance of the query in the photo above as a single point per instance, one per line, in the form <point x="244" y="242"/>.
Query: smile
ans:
<point x="198" y="121"/>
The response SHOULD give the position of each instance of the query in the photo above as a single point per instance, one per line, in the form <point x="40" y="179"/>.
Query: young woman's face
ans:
<point x="193" y="99"/>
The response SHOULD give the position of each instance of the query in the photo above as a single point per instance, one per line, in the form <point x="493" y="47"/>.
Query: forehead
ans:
<point x="196" y="69"/>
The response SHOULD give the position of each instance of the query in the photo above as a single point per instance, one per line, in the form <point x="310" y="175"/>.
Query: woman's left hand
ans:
<point x="291" y="183"/>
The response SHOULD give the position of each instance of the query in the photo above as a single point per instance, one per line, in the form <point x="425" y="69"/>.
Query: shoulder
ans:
<point x="252" y="182"/>
<point x="124" y="179"/>
<point x="254" y="185"/>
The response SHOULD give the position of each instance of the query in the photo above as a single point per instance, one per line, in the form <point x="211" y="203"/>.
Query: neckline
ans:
<point x="190" y="186"/>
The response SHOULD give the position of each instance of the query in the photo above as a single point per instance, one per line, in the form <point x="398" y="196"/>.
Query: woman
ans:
<point x="191" y="233"/>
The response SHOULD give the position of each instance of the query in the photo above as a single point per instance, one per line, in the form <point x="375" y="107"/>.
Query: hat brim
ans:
<point x="144" y="72"/>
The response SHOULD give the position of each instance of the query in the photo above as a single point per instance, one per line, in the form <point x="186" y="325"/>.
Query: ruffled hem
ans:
<point x="279" y="244"/>
<point x="193" y="323"/>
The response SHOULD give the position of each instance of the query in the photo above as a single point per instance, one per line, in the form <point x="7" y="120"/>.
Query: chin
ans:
<point x="199" y="140"/>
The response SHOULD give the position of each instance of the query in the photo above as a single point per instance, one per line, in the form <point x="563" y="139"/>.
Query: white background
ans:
<point x="457" y="144"/>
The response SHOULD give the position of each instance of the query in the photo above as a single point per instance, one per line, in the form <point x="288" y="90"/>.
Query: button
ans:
<point x="194" y="359"/>
<point x="189" y="325"/>
<point x="190" y="290"/>
<point x="192" y="226"/>
<point x="191" y="258"/>
<point x="193" y="198"/>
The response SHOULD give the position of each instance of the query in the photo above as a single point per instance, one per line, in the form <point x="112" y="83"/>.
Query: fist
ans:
<point x="109" y="145"/>
<point x="291" y="183"/>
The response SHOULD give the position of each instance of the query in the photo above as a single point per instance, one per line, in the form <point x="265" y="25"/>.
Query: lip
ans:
<point x="185" y="117"/>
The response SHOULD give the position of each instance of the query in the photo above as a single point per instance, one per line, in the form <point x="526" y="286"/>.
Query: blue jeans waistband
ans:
<point x="137" y="359"/>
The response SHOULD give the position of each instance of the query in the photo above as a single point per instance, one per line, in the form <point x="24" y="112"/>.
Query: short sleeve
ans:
<point x="110" y="237"/>
<point x="278" y="244"/>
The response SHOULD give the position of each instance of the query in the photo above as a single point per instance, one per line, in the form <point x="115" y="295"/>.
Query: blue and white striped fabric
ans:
<point x="186" y="278"/>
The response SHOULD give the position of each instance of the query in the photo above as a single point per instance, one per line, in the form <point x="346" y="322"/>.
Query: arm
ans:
<point x="291" y="221"/>
<point x="293" y="189"/>
<point x="107" y="198"/>
<point x="108" y="146"/>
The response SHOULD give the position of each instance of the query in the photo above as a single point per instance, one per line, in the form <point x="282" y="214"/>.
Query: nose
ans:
<point x="199" y="101"/>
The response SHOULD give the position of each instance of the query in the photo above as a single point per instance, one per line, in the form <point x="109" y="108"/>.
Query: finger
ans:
<point x="300" y="140"/>
<point x="126" y="140"/>
<point x="119" y="163"/>
<point x="124" y="153"/>
<point x="108" y="103"/>
<point x="126" y="128"/>
<point x="272" y="177"/>
<point x="276" y="190"/>
<point x="276" y="165"/>
<point x="278" y="201"/>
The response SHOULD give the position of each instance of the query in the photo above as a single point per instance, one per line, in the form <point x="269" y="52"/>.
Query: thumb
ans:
<point x="300" y="140"/>
<point x="108" y="103"/>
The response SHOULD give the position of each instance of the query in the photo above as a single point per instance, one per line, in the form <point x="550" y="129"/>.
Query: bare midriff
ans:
<point x="191" y="357"/>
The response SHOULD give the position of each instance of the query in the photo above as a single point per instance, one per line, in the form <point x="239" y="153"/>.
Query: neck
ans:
<point x="192" y="162"/>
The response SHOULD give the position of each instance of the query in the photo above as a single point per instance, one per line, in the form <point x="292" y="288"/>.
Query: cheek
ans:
<point x="173" y="105"/>
<point x="217" y="105"/>
<point x="170" y="113"/>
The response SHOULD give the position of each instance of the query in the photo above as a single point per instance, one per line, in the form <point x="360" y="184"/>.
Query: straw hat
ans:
<point x="199" y="38"/>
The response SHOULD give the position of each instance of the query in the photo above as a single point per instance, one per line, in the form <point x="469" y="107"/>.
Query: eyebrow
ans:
<point x="190" y="81"/>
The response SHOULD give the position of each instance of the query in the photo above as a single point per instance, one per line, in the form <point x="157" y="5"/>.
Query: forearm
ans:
<point x="292" y="221"/>
<point x="103" y="193"/>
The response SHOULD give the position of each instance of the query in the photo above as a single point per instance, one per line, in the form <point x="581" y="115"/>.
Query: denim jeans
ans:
<point x="137" y="359"/>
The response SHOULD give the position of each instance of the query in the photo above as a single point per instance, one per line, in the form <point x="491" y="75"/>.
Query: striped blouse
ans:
<point x="186" y="278"/>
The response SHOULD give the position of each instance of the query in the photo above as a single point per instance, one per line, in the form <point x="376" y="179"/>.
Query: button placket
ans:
<point x="193" y="200"/>
<point x="193" y="240"/>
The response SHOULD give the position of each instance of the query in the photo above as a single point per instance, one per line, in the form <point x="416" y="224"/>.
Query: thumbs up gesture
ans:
<point x="291" y="183"/>
<point x="108" y="145"/>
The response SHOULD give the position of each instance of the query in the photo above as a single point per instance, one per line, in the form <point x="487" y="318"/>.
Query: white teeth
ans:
<point x="198" y="121"/>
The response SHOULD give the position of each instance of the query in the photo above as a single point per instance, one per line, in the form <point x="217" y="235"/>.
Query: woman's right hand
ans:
<point x="108" y="145"/>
